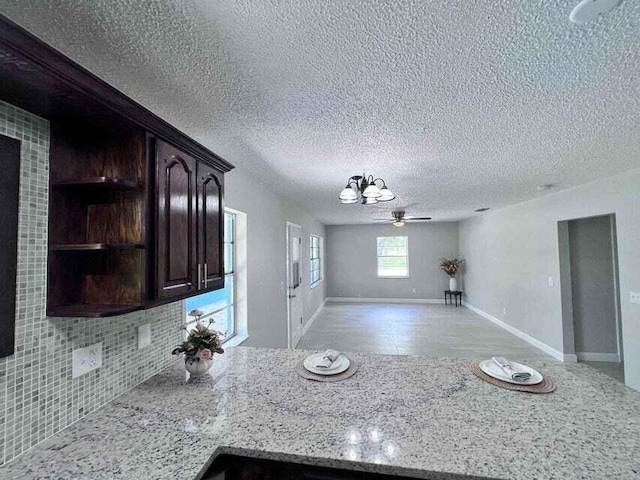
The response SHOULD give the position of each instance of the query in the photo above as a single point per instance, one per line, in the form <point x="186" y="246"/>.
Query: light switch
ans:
<point x="550" y="281"/>
<point x="85" y="360"/>
<point x="144" y="335"/>
<point x="634" y="297"/>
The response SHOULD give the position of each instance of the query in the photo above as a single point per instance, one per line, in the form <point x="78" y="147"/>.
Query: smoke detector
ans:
<point x="590" y="10"/>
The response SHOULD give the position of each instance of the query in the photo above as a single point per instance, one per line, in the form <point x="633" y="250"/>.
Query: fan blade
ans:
<point x="416" y="219"/>
<point x="384" y="219"/>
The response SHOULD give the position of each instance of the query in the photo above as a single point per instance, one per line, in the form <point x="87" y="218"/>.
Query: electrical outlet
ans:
<point x="550" y="281"/>
<point x="415" y="290"/>
<point x="144" y="335"/>
<point x="634" y="297"/>
<point x="85" y="360"/>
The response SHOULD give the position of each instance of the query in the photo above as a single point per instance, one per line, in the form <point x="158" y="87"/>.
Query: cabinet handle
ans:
<point x="205" y="276"/>
<point x="199" y="275"/>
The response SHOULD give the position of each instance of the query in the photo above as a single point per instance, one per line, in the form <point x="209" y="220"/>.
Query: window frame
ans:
<point x="388" y="256"/>
<point x="232" y="274"/>
<point x="320" y="259"/>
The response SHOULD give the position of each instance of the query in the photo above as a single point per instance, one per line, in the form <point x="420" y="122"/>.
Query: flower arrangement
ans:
<point x="201" y="343"/>
<point x="450" y="266"/>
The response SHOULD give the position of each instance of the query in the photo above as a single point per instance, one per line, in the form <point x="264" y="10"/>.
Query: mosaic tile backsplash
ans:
<point x="38" y="397"/>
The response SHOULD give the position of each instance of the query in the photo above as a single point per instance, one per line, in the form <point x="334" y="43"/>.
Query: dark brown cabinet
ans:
<point x="190" y="224"/>
<point x="176" y="225"/>
<point x="211" y="226"/>
<point x="135" y="206"/>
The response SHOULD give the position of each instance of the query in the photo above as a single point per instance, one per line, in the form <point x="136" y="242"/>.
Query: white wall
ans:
<point x="510" y="253"/>
<point x="267" y="215"/>
<point x="352" y="261"/>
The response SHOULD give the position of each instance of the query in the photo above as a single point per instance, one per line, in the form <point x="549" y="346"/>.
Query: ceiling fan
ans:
<point x="399" y="219"/>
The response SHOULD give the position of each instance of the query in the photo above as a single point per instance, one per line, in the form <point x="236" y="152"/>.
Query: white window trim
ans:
<point x="393" y="276"/>
<point x="321" y="258"/>
<point x="234" y="303"/>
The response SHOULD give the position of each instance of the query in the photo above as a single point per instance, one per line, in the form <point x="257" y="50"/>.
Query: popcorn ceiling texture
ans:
<point x="458" y="105"/>
<point x="38" y="397"/>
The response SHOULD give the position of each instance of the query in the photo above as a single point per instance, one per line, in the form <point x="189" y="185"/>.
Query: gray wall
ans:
<point x="511" y="252"/>
<point x="592" y="285"/>
<point x="267" y="215"/>
<point x="352" y="262"/>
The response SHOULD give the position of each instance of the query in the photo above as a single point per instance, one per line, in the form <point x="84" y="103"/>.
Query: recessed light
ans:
<point x="483" y="209"/>
<point x="546" y="186"/>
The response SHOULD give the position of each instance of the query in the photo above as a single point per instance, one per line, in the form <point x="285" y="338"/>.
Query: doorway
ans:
<point x="591" y="304"/>
<point x="294" y="283"/>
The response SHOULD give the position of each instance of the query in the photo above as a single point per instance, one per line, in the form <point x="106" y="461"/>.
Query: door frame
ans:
<point x="287" y="279"/>
<point x="566" y="287"/>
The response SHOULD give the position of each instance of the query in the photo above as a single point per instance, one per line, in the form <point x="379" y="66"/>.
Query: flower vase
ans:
<point x="197" y="367"/>
<point x="453" y="284"/>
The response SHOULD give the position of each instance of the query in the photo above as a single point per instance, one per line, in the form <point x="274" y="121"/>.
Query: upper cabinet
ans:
<point x="135" y="206"/>
<point x="190" y="224"/>
<point x="210" y="226"/>
<point x="176" y="271"/>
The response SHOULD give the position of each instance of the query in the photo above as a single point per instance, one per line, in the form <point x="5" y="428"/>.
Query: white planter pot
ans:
<point x="453" y="284"/>
<point x="198" y="367"/>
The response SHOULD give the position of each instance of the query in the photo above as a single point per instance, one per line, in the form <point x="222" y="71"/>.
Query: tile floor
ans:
<point x="612" y="369"/>
<point x="413" y="329"/>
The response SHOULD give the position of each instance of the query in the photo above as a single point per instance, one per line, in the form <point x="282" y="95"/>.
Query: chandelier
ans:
<point x="364" y="190"/>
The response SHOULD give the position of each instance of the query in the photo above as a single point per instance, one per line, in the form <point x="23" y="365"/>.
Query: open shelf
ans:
<point x="98" y="246"/>
<point x="94" y="184"/>
<point x="92" y="311"/>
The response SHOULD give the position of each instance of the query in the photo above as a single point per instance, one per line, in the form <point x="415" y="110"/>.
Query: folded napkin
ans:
<point x="508" y="368"/>
<point x="328" y="358"/>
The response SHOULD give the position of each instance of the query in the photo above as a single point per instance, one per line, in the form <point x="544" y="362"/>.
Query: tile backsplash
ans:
<point x="38" y="396"/>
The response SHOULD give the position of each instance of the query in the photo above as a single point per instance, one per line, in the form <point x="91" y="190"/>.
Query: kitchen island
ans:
<point x="419" y="417"/>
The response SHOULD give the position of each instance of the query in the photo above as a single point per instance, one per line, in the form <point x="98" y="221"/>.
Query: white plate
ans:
<point x="490" y="368"/>
<point x="340" y="365"/>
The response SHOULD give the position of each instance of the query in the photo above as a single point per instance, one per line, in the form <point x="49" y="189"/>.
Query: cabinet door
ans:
<point x="211" y="226"/>
<point x="176" y="273"/>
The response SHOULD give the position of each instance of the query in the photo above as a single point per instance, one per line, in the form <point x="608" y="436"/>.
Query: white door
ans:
<point x="294" y="283"/>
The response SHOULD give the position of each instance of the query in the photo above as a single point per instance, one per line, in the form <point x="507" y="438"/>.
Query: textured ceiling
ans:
<point x="457" y="104"/>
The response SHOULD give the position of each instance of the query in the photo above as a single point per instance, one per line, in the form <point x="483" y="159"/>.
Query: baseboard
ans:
<point x="520" y="334"/>
<point x="311" y="320"/>
<point x="598" y="357"/>
<point x="384" y="300"/>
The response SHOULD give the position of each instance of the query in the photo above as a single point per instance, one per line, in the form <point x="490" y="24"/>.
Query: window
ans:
<point x="393" y="257"/>
<point x="220" y="305"/>
<point x="315" y="255"/>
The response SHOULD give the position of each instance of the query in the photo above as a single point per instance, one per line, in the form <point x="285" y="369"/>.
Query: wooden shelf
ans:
<point x="94" y="184"/>
<point x="98" y="246"/>
<point x="92" y="311"/>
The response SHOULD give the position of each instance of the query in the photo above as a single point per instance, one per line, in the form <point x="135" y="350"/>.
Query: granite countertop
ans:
<point x="414" y="416"/>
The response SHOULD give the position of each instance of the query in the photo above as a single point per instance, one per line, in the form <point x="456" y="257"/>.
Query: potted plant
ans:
<point x="450" y="266"/>
<point x="199" y="347"/>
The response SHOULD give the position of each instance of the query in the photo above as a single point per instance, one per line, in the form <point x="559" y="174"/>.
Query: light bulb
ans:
<point x="398" y="223"/>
